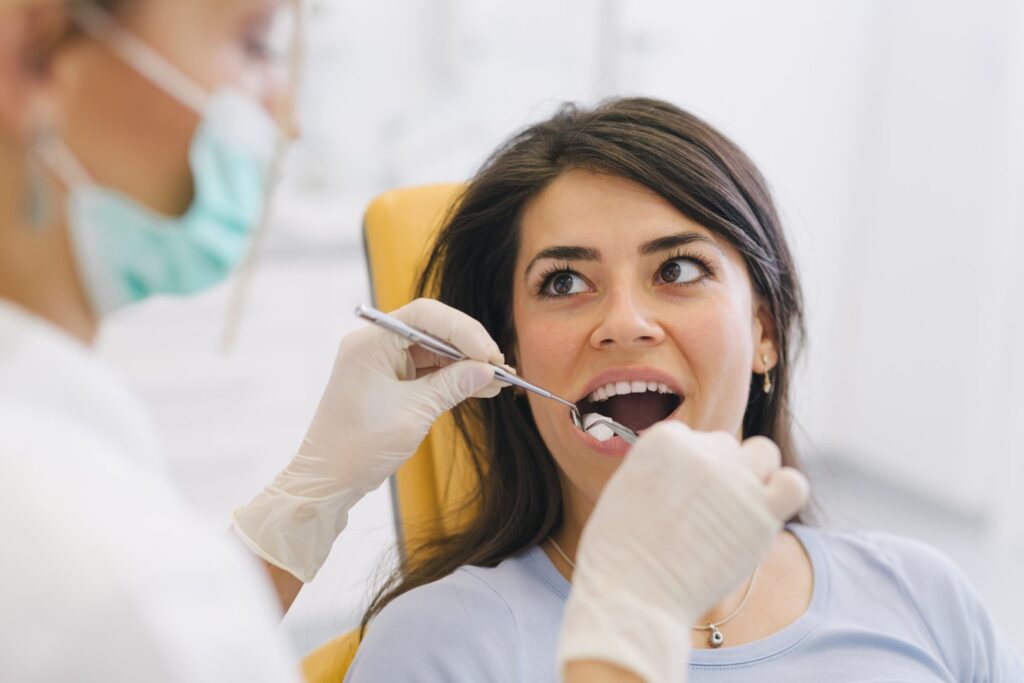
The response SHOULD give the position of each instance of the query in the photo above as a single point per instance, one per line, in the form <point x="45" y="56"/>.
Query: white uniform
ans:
<point x="104" y="573"/>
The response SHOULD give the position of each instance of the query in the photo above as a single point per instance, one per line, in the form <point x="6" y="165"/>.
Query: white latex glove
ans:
<point x="685" y="519"/>
<point x="382" y="398"/>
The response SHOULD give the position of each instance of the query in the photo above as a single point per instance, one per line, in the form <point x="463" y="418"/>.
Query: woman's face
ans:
<point x="618" y="292"/>
<point x="126" y="130"/>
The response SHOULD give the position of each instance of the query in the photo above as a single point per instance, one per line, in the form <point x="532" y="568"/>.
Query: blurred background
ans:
<point x="890" y="130"/>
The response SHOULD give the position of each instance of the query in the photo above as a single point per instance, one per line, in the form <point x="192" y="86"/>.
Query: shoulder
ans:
<point x="912" y="564"/>
<point x="932" y="589"/>
<point x="455" y="629"/>
<point x="896" y="569"/>
<point x="464" y="627"/>
<point x="465" y="600"/>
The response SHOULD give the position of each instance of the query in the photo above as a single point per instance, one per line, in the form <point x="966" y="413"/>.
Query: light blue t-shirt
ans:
<point x="882" y="609"/>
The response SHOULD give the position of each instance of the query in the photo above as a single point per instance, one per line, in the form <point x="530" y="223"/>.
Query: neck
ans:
<point x="568" y="536"/>
<point x="37" y="268"/>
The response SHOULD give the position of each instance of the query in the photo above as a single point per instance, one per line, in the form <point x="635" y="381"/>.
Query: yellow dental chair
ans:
<point x="430" y="490"/>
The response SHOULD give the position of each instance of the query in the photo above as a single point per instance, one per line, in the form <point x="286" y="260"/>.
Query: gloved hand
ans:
<point x="382" y="398"/>
<point x="685" y="519"/>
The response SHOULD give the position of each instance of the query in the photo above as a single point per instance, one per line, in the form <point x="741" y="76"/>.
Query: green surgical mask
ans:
<point x="126" y="252"/>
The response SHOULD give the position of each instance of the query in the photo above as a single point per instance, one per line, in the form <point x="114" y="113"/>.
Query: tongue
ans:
<point x="640" y="411"/>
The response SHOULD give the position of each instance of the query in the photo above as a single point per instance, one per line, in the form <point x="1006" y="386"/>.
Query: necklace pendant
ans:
<point x="716" y="639"/>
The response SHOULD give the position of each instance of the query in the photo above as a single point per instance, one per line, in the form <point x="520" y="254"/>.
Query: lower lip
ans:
<point x="615" y="447"/>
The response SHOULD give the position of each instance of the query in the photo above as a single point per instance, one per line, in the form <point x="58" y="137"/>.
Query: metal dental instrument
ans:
<point x="443" y="348"/>
<point x="622" y="431"/>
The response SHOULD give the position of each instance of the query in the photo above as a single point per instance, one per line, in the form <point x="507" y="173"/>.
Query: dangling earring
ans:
<point x="37" y="202"/>
<point x="767" y="375"/>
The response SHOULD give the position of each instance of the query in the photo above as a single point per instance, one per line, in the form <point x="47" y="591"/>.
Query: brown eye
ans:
<point x="563" y="283"/>
<point x="670" y="271"/>
<point x="681" y="271"/>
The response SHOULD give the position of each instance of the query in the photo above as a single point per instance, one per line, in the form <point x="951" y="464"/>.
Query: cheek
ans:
<point x="546" y="341"/>
<point x="544" y="355"/>
<point x="147" y="158"/>
<point x="548" y="351"/>
<point x="717" y="344"/>
<point x="545" y="347"/>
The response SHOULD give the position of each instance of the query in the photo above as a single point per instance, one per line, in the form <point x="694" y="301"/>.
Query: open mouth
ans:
<point x="636" y="404"/>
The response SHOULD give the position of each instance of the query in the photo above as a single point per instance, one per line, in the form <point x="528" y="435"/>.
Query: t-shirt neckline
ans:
<point x="748" y="653"/>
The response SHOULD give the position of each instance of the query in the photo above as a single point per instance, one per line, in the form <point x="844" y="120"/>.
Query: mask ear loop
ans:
<point x="99" y="25"/>
<point x="51" y="164"/>
<point x="243" y="282"/>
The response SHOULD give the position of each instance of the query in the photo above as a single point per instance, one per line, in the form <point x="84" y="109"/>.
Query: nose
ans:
<point x="626" y="322"/>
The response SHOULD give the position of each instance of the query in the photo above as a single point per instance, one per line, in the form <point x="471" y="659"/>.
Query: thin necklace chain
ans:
<point x="705" y="627"/>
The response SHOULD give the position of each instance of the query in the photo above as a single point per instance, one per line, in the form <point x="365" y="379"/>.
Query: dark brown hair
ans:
<point x="673" y="153"/>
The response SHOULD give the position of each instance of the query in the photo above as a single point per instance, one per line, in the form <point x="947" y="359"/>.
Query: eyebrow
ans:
<point x="564" y="253"/>
<point x="574" y="253"/>
<point x="678" y="240"/>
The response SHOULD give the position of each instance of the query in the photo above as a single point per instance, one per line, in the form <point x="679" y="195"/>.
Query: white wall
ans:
<point x="889" y="130"/>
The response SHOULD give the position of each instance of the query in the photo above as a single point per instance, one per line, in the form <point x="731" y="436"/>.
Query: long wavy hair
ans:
<point x="517" y="501"/>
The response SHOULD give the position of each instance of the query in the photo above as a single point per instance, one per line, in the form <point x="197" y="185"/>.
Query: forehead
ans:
<point x="595" y="209"/>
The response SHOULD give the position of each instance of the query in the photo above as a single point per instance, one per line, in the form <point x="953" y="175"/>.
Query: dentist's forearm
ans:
<point x="286" y="585"/>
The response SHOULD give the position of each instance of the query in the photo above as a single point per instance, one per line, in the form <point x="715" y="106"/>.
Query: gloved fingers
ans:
<point x="761" y="456"/>
<point x="667" y="435"/>
<point x="445" y="388"/>
<point x="719" y="440"/>
<point x="451" y="325"/>
<point x="786" y="493"/>
<point x="491" y="390"/>
<point x="661" y="446"/>
<point x="719" y="445"/>
<point x="668" y="457"/>
<point x="496" y="385"/>
<point x="427" y="361"/>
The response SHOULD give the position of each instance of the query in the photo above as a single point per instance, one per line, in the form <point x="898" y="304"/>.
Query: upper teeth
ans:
<point x="634" y="387"/>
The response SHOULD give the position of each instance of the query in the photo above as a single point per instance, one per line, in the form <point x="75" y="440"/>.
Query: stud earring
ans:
<point x="767" y="375"/>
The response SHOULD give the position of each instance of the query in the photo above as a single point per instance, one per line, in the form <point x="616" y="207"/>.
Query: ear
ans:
<point x="29" y="36"/>
<point x="765" y="345"/>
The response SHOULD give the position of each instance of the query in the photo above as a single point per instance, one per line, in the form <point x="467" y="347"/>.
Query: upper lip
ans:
<point x="628" y="374"/>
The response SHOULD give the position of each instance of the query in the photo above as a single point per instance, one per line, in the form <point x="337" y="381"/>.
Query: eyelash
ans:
<point x="693" y="257"/>
<point x="548" y="274"/>
<point x="566" y="269"/>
